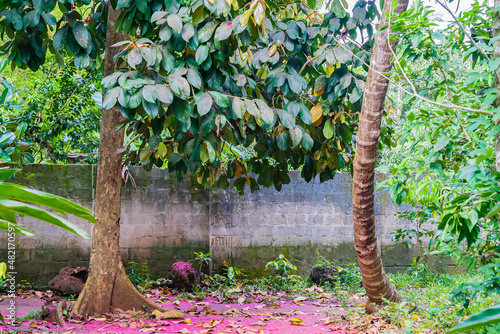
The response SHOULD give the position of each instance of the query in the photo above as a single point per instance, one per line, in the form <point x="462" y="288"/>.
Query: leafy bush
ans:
<point x="202" y="259"/>
<point x="59" y="111"/>
<point x="347" y="276"/>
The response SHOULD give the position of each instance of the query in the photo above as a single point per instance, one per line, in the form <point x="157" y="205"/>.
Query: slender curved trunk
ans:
<point x="108" y="285"/>
<point x="496" y="54"/>
<point x="375" y="281"/>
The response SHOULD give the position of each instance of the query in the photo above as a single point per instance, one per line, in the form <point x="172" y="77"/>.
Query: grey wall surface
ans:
<point x="164" y="221"/>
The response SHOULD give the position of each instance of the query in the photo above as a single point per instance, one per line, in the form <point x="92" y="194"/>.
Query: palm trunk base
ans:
<point x="373" y="306"/>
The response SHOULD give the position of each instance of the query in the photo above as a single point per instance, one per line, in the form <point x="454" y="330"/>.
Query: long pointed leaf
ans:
<point x="493" y="211"/>
<point x="8" y="216"/>
<point x="478" y="320"/>
<point x="4" y="225"/>
<point x="19" y="193"/>
<point x="5" y="173"/>
<point x="29" y="210"/>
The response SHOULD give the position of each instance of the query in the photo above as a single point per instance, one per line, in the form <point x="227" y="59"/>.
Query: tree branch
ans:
<point x="450" y="105"/>
<point x="460" y="25"/>
<point x="310" y="60"/>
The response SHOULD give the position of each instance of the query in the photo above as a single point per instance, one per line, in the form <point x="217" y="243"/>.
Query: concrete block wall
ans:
<point x="302" y="221"/>
<point x="165" y="220"/>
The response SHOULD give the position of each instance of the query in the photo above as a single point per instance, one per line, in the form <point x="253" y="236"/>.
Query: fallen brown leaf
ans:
<point x="297" y="322"/>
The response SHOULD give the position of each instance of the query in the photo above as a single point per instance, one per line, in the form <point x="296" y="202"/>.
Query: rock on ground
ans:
<point x="70" y="280"/>
<point x="324" y="274"/>
<point x="183" y="276"/>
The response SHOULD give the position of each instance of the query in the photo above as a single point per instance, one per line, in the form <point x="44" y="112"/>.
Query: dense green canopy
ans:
<point x="221" y="89"/>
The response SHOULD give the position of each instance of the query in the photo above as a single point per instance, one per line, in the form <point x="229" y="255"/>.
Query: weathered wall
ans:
<point x="165" y="220"/>
<point x="302" y="220"/>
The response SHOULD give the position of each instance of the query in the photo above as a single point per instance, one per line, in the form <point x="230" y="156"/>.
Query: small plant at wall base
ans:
<point x="202" y="259"/>
<point x="282" y="267"/>
<point x="232" y="273"/>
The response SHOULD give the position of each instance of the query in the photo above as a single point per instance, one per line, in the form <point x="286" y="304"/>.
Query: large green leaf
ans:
<point x="164" y="94"/>
<point x="8" y="216"/>
<point x="441" y="143"/>
<point x="201" y="54"/>
<point x="165" y="32"/>
<point x="8" y="226"/>
<point x="187" y="32"/>
<point x="266" y="112"/>
<point x="207" y="152"/>
<point x="158" y="15"/>
<point x="182" y="109"/>
<point x="493" y="211"/>
<point x="239" y="107"/>
<point x="31" y="19"/>
<point x="296" y="135"/>
<point x="282" y="141"/>
<point x="286" y="118"/>
<point x="149" y="93"/>
<point x="7" y="137"/>
<point x="219" y="98"/>
<point x="194" y="78"/>
<point x="6" y="173"/>
<point x="179" y="86"/>
<point x="41" y="214"/>
<point x="82" y="61"/>
<point x="328" y="129"/>
<point x="175" y="22"/>
<point x="207" y="31"/>
<point x="123" y="4"/>
<point x="223" y="31"/>
<point x="251" y="107"/>
<point x="111" y="79"/>
<point x="59" y="40"/>
<point x="111" y="98"/>
<point x="134" y="58"/>
<point x="16" y="20"/>
<point x="150" y="108"/>
<point x="82" y="36"/>
<point x="478" y="320"/>
<point x="205" y="104"/>
<point x="307" y="141"/>
<point x="17" y="192"/>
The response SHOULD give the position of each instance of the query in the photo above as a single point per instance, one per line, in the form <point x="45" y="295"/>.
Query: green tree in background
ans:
<point x="16" y="199"/>
<point x="59" y="109"/>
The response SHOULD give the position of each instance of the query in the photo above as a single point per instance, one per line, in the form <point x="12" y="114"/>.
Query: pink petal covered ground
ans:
<point x="210" y="315"/>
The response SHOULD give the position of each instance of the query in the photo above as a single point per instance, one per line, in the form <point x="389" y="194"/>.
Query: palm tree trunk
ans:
<point x="370" y="264"/>
<point x="108" y="285"/>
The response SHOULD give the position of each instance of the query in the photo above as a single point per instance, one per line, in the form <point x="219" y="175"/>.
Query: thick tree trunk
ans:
<point x="496" y="54"/>
<point x="108" y="285"/>
<point x="375" y="281"/>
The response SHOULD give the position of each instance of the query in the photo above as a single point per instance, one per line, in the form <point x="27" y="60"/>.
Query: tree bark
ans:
<point x="375" y="281"/>
<point x="496" y="54"/>
<point x="108" y="285"/>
